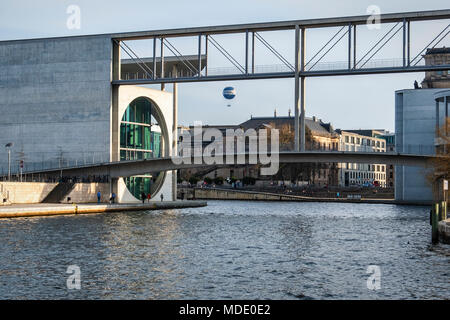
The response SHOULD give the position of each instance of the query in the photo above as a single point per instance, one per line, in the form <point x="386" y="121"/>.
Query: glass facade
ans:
<point x="140" y="138"/>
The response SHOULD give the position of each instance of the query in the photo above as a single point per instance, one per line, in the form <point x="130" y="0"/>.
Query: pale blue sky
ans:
<point x="346" y="102"/>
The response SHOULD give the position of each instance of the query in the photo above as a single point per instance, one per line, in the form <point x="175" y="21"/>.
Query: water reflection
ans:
<point x="226" y="250"/>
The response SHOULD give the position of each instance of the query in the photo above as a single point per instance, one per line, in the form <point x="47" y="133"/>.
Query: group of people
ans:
<point x="112" y="199"/>
<point x="148" y="197"/>
<point x="145" y="196"/>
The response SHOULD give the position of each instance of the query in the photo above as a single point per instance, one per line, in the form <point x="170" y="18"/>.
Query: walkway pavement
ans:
<point x="47" y="209"/>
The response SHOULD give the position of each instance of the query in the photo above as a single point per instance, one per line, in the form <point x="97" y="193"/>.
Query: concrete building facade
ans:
<point x="58" y="106"/>
<point x="415" y="131"/>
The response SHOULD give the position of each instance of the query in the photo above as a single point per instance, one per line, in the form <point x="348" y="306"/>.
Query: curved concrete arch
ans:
<point x="159" y="116"/>
<point x="162" y="111"/>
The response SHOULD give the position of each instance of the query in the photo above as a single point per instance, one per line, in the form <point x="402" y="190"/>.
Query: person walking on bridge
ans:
<point x="143" y="196"/>
<point x="99" y="195"/>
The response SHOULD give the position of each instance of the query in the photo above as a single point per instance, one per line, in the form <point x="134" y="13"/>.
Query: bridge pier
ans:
<point x="175" y="132"/>
<point x="299" y="104"/>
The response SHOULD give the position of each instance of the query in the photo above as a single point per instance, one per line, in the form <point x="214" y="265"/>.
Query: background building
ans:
<point x="416" y="119"/>
<point x="361" y="173"/>
<point x="436" y="79"/>
<point x="319" y="136"/>
<point x="415" y="129"/>
<point x="390" y="168"/>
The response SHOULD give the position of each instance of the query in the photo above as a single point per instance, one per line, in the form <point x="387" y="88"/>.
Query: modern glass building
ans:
<point x="140" y="138"/>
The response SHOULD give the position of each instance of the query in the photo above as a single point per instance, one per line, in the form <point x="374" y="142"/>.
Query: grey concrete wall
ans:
<point x="55" y="100"/>
<point x="415" y="121"/>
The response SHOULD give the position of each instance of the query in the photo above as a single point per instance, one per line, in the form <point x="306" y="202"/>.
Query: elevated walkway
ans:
<point x="138" y="167"/>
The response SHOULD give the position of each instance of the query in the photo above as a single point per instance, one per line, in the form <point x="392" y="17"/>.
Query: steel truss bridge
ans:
<point x="154" y="71"/>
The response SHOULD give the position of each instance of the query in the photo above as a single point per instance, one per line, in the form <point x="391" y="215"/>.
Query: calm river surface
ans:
<point x="227" y="250"/>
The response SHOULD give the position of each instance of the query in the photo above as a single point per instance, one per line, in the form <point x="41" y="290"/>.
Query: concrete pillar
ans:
<point x="302" y="93"/>
<point x="446" y="114"/>
<point x="302" y="115"/>
<point x="437" y="113"/>
<point x="296" y="89"/>
<point x="175" y="131"/>
<point x="116" y="67"/>
<point x="163" y="85"/>
<point x="115" y="121"/>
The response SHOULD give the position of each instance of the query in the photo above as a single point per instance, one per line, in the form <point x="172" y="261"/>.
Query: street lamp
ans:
<point x="8" y="147"/>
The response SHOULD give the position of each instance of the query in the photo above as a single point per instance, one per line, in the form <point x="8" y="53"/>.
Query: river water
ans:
<point x="227" y="250"/>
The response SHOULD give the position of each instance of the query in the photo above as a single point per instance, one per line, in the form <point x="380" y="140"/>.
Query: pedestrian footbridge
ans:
<point x="138" y="167"/>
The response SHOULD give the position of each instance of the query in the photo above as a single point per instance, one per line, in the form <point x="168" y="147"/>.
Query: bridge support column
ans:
<point x="163" y="85"/>
<point x="115" y="121"/>
<point x="174" y="133"/>
<point x="299" y="105"/>
<point x="296" y="90"/>
<point x="302" y="115"/>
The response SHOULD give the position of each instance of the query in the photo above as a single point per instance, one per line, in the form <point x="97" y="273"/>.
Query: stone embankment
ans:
<point x="28" y="210"/>
<point x="233" y="194"/>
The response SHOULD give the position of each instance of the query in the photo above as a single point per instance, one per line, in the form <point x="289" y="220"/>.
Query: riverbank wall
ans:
<point x="25" y="192"/>
<point x="36" y="192"/>
<point x="30" y="210"/>
<point x="233" y="194"/>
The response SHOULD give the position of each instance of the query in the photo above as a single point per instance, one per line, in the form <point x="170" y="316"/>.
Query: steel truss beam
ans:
<point x="285" y="25"/>
<point x="282" y="75"/>
<point x="354" y="67"/>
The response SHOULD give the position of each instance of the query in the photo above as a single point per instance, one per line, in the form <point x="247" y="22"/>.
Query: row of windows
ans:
<point x="325" y="146"/>
<point x="364" y="141"/>
<point x="139" y="111"/>
<point x="365" y="167"/>
<point x="134" y="136"/>
<point x="367" y="175"/>
<point x="126" y="154"/>
<point x="349" y="147"/>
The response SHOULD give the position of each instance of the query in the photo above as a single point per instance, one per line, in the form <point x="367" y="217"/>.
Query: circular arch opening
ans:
<point x="143" y="135"/>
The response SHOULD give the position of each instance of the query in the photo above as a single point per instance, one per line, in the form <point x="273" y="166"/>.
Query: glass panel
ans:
<point x="123" y="155"/>
<point x="139" y="140"/>
<point x="139" y="185"/>
<point x="147" y="138"/>
<point x="135" y="136"/>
